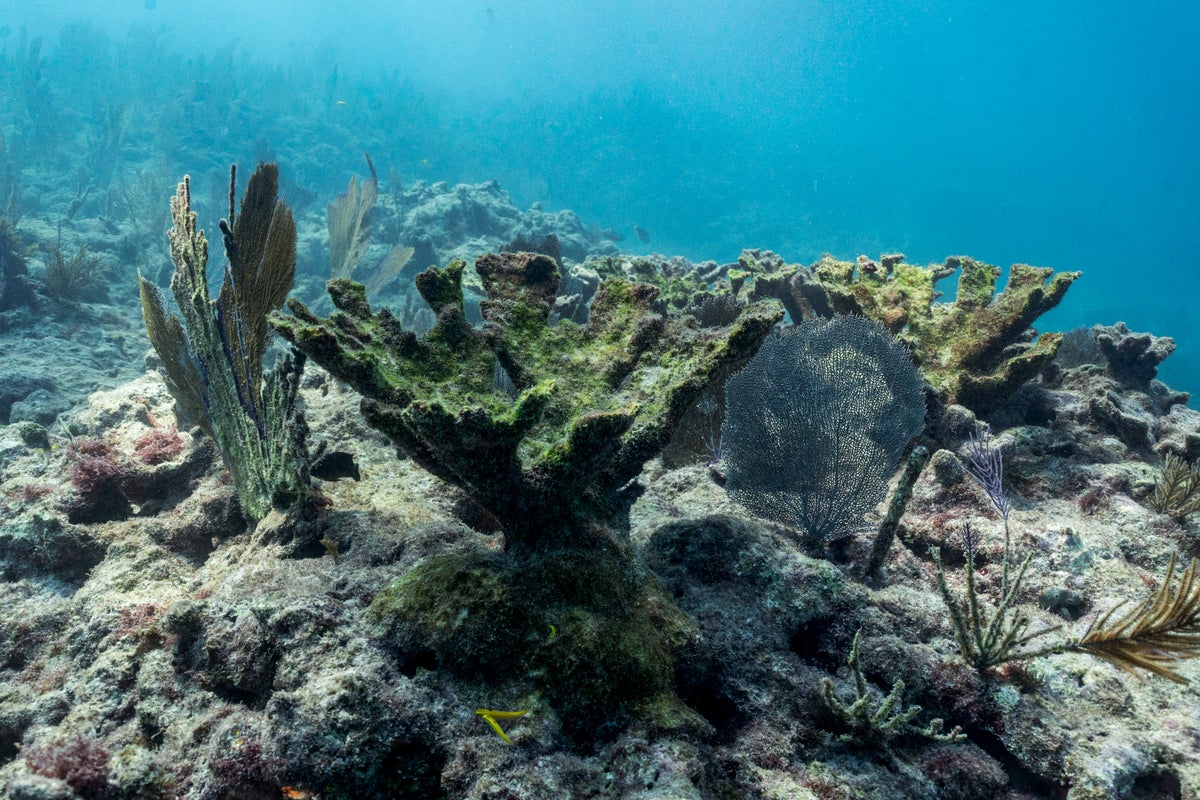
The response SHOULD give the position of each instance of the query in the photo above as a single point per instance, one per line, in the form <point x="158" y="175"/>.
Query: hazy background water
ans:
<point x="1060" y="134"/>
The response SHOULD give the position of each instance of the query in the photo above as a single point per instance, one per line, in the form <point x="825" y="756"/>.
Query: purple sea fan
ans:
<point x="985" y="464"/>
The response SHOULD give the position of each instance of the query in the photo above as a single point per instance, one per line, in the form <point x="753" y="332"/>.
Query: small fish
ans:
<point x="490" y="716"/>
<point x="341" y="103"/>
<point x="641" y="234"/>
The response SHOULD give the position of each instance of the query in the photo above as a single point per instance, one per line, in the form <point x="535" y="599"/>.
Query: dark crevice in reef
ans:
<point x="1156" y="786"/>
<point x="1020" y="778"/>
<point x="809" y="645"/>
<point x="412" y="771"/>
<point x="410" y="663"/>
<point x="710" y="699"/>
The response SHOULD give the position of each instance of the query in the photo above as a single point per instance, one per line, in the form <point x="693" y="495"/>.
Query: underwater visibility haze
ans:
<point x="658" y="400"/>
<point x="1056" y="135"/>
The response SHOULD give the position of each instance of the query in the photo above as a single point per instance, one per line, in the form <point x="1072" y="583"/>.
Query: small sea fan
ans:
<point x="986" y="466"/>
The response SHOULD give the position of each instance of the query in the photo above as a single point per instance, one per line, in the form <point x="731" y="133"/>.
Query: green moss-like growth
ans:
<point x="543" y="425"/>
<point x="976" y="350"/>
<point x="597" y="651"/>
<point x="33" y="435"/>
<point x="466" y="609"/>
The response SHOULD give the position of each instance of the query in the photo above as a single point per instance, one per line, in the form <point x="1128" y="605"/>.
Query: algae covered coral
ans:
<point x="587" y="407"/>
<point x="532" y="578"/>
<point x="545" y="427"/>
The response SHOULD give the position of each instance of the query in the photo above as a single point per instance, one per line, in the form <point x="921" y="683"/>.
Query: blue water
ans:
<point x="1060" y="134"/>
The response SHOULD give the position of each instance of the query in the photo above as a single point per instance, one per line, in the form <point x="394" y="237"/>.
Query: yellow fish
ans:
<point x="491" y="716"/>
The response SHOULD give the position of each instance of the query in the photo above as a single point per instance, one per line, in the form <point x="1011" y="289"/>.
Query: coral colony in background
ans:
<point x="553" y="521"/>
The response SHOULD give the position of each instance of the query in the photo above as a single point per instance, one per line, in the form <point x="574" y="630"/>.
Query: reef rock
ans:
<point x="443" y="223"/>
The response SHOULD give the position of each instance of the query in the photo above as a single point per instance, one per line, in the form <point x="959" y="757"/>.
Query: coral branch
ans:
<point x="553" y="447"/>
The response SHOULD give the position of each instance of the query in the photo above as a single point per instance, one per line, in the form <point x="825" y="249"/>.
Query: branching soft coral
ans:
<point x="213" y="353"/>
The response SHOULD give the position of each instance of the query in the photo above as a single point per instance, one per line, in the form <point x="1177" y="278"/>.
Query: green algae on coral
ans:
<point x="546" y="427"/>
<point x="483" y="616"/>
<point x="592" y="402"/>
<point x="678" y="288"/>
<point x="974" y="351"/>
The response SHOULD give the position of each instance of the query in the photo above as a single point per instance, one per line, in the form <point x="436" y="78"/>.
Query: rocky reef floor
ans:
<point x="153" y="644"/>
